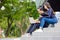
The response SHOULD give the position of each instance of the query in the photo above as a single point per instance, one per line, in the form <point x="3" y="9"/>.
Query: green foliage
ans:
<point x="31" y="8"/>
<point x="16" y="10"/>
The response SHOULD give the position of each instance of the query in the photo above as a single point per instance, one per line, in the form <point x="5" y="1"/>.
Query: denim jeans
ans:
<point x="33" y="27"/>
<point x="48" y="20"/>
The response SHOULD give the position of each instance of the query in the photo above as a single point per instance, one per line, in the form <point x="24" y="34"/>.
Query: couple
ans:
<point x="47" y="17"/>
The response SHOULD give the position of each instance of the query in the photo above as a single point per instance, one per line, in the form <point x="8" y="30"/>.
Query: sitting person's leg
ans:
<point x="46" y="24"/>
<point x="52" y="21"/>
<point x="28" y="32"/>
<point x="48" y="20"/>
<point x="36" y="26"/>
<point x="33" y="27"/>
<point x="30" y="28"/>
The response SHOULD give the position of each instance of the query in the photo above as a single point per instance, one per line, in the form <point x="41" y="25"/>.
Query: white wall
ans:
<point x="58" y="15"/>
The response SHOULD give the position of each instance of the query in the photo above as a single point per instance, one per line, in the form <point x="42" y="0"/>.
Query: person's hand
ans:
<point x="40" y="11"/>
<point x="37" y="21"/>
<point x="40" y="16"/>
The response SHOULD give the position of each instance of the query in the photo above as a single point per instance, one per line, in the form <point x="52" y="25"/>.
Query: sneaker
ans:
<point x="39" y="30"/>
<point x="27" y="35"/>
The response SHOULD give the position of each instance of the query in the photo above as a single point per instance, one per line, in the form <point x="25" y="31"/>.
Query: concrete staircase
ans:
<point x="43" y="36"/>
<point x="49" y="33"/>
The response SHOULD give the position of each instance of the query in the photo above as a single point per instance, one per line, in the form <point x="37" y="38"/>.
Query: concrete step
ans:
<point x="50" y="33"/>
<point x="47" y="34"/>
<point x="53" y="29"/>
<point x="43" y="36"/>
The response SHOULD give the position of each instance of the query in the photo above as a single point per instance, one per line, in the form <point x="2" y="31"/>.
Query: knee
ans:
<point x="43" y="18"/>
<point x="56" y="21"/>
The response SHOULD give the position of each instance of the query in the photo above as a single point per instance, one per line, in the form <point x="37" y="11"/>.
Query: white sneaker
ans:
<point x="27" y="35"/>
<point x="39" y="30"/>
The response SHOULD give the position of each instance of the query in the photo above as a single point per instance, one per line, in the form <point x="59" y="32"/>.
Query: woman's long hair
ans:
<point x="49" y="6"/>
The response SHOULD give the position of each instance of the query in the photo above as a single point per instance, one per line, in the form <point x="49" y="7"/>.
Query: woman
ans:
<point x="50" y="19"/>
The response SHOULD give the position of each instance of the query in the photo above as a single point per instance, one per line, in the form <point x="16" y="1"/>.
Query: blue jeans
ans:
<point x="48" y="20"/>
<point x="33" y="27"/>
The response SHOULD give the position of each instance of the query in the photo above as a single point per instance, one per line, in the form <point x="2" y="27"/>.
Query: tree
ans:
<point x="16" y="16"/>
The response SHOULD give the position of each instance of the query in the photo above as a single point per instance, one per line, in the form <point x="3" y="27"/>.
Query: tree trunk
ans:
<point x="9" y="21"/>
